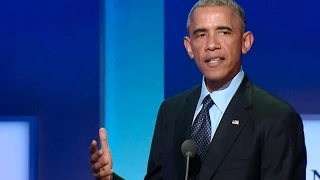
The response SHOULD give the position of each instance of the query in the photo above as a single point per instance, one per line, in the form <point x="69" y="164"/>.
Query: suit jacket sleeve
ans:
<point x="116" y="177"/>
<point x="154" y="162"/>
<point x="284" y="151"/>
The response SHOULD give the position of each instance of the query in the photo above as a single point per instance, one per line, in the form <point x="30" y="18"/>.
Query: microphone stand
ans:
<point x="187" y="166"/>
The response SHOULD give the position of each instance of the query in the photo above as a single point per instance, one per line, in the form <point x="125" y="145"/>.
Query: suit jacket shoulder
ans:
<point x="270" y="108"/>
<point x="267" y="100"/>
<point x="171" y="107"/>
<point x="178" y="101"/>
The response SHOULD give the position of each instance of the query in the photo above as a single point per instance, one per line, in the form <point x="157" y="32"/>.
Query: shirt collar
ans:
<point x="222" y="96"/>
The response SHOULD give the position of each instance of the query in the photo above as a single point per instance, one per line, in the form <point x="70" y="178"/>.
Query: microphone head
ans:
<point x="189" y="148"/>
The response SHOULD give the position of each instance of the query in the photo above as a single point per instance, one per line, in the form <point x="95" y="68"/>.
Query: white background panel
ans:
<point x="14" y="151"/>
<point x="312" y="135"/>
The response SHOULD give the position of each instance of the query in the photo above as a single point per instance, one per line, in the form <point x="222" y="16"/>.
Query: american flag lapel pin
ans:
<point x="235" y="122"/>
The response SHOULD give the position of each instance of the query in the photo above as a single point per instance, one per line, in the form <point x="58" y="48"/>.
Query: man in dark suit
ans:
<point x="241" y="131"/>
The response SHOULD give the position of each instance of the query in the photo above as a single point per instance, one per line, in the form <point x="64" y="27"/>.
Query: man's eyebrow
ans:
<point x="196" y="31"/>
<point x="224" y="28"/>
<point x="199" y="30"/>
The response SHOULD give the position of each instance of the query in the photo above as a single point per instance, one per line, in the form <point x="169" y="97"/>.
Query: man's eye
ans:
<point x="201" y="35"/>
<point x="224" y="32"/>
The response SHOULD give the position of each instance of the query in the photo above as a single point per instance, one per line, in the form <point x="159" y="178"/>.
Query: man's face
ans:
<point x="216" y="41"/>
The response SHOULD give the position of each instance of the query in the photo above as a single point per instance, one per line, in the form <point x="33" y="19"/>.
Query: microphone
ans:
<point x="189" y="150"/>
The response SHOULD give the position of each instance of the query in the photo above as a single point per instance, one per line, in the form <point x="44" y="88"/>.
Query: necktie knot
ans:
<point x="207" y="102"/>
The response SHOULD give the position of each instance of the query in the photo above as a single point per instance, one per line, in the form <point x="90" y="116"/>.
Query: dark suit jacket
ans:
<point x="268" y="143"/>
<point x="116" y="177"/>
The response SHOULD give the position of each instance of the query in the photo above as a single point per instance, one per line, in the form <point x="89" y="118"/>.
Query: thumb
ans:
<point x="103" y="138"/>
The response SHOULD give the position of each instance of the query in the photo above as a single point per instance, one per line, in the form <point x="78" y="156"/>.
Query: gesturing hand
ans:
<point x="101" y="160"/>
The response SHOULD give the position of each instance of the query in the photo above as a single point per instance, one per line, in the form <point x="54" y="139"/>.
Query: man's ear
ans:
<point x="187" y="45"/>
<point x="247" y="41"/>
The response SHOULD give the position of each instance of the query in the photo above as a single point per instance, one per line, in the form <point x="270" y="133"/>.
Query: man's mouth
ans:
<point x="214" y="60"/>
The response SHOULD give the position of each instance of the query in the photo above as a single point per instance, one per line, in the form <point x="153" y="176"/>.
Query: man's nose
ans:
<point x="212" y="44"/>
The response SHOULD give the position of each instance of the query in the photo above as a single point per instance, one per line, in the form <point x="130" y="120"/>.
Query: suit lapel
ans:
<point x="227" y="131"/>
<point x="182" y="128"/>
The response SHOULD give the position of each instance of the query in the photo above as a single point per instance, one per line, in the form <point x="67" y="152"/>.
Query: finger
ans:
<point x="104" y="173"/>
<point x="95" y="156"/>
<point x="98" y="165"/>
<point x="93" y="147"/>
<point x="103" y="138"/>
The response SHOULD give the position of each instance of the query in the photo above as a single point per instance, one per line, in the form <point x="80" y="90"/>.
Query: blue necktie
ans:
<point x="201" y="128"/>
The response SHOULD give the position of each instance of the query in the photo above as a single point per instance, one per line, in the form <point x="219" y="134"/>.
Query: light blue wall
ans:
<point x="133" y="80"/>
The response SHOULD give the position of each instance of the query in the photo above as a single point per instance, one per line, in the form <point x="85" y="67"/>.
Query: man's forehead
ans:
<point x="219" y="15"/>
<point x="204" y="12"/>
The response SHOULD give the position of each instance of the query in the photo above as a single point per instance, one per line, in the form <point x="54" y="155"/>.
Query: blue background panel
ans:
<point x="134" y="80"/>
<point x="49" y="68"/>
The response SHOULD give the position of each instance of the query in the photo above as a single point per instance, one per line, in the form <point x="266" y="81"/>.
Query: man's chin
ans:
<point x="215" y="81"/>
<point x="214" y="77"/>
